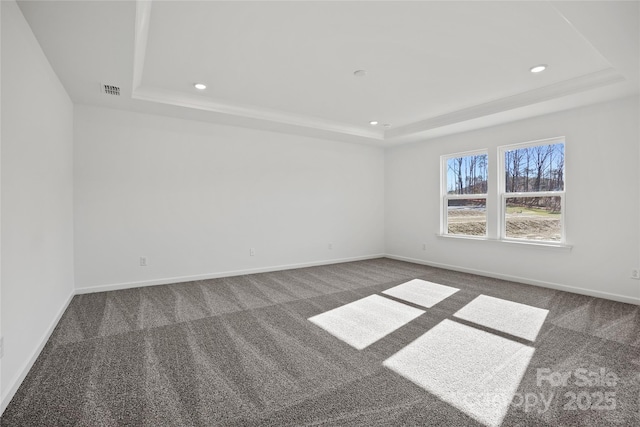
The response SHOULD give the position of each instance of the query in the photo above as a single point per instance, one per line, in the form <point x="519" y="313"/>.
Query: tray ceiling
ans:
<point x="432" y="68"/>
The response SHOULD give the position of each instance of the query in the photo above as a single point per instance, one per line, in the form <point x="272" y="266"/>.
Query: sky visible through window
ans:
<point x="467" y="175"/>
<point x="532" y="181"/>
<point x="531" y="215"/>
<point x="537" y="168"/>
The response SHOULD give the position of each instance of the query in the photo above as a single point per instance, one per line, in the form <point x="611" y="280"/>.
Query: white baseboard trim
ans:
<point x="180" y="279"/>
<point x="26" y="367"/>
<point x="541" y="283"/>
<point x="21" y="375"/>
<point x="15" y="383"/>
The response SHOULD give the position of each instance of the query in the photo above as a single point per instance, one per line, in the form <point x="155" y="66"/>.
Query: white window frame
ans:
<point x="503" y="194"/>
<point x="444" y="197"/>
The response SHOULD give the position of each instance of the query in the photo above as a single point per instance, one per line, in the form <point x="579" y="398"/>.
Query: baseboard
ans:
<point x="17" y="380"/>
<point x="15" y="384"/>
<point x="179" y="279"/>
<point x="541" y="283"/>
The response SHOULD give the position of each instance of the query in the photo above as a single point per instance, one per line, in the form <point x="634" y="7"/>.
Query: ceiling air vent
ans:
<point x="110" y="89"/>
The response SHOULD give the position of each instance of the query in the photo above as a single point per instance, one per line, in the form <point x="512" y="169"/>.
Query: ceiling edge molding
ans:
<point x="143" y="17"/>
<point x="579" y="33"/>
<point x="568" y="87"/>
<point x="572" y="86"/>
<point x="179" y="99"/>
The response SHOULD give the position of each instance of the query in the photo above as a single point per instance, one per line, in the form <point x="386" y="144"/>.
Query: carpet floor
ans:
<point x="349" y="344"/>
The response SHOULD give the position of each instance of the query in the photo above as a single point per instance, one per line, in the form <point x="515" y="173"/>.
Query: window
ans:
<point x="465" y="194"/>
<point x="532" y="191"/>
<point x="526" y="201"/>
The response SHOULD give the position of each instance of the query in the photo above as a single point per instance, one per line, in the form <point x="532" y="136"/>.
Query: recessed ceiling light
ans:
<point x="200" y="86"/>
<point x="538" y="68"/>
<point x="373" y="122"/>
<point x="360" y="73"/>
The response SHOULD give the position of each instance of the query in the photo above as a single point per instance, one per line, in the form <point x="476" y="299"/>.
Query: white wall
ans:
<point x="37" y="192"/>
<point x="194" y="197"/>
<point x="602" y="205"/>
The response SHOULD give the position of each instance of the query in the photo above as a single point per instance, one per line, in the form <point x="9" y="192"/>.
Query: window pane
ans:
<point x="467" y="175"/>
<point x="538" y="168"/>
<point x="533" y="218"/>
<point x="467" y="216"/>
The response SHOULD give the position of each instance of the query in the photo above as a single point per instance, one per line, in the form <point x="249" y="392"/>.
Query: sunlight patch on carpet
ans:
<point x="519" y="320"/>
<point x="365" y="321"/>
<point x="421" y="292"/>
<point x="475" y="371"/>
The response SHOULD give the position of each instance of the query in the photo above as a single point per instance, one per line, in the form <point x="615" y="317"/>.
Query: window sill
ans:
<point x="522" y="243"/>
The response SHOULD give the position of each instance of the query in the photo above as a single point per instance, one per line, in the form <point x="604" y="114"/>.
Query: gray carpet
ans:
<point x="241" y="352"/>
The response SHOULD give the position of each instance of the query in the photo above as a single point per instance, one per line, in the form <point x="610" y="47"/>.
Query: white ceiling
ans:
<point x="433" y="68"/>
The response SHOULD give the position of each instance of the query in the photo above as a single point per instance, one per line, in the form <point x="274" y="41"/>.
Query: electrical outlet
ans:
<point x="635" y="274"/>
<point x="252" y="252"/>
<point x="143" y="261"/>
<point x="330" y="246"/>
<point x="1" y="347"/>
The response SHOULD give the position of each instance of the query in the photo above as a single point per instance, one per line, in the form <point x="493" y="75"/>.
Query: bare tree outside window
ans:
<point x="534" y="176"/>
<point x="466" y="189"/>
<point x="537" y="168"/>
<point x="467" y="175"/>
<point x="530" y="193"/>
